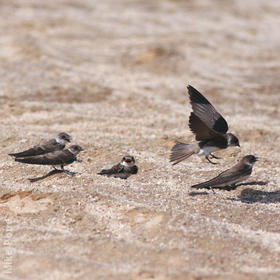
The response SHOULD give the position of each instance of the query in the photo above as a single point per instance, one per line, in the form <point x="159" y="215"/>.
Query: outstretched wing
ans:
<point x="201" y="130"/>
<point x="205" y="111"/>
<point x="54" y="158"/>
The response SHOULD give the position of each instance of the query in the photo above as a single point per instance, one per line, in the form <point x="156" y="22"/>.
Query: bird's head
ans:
<point x="75" y="149"/>
<point x="249" y="160"/>
<point x="63" y="137"/>
<point x="128" y="161"/>
<point x="232" y="140"/>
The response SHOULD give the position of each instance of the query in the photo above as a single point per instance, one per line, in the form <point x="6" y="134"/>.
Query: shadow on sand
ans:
<point x="55" y="171"/>
<point x="253" y="196"/>
<point x="229" y="188"/>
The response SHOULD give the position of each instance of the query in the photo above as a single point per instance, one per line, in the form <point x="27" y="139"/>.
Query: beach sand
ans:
<point x="113" y="74"/>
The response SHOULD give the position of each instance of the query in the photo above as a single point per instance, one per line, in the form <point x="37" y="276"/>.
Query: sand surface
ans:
<point x="113" y="74"/>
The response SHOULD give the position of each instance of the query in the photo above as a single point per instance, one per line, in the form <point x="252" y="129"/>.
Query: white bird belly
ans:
<point x="206" y="150"/>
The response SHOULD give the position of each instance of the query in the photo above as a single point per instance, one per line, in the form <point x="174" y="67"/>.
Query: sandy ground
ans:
<point x="113" y="74"/>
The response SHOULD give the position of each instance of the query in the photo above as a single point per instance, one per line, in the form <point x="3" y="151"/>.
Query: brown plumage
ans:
<point x="55" y="144"/>
<point x="209" y="127"/>
<point x="239" y="172"/>
<point x="121" y="170"/>
<point x="56" y="158"/>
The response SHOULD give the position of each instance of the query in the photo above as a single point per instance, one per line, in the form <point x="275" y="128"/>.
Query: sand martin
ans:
<point x="52" y="145"/>
<point x="123" y="169"/>
<point x="57" y="158"/>
<point x="210" y="130"/>
<point x="239" y="172"/>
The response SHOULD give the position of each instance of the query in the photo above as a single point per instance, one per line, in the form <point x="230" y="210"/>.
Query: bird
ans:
<point x="51" y="145"/>
<point x="56" y="158"/>
<point x="239" y="172"/>
<point x="121" y="170"/>
<point x="210" y="130"/>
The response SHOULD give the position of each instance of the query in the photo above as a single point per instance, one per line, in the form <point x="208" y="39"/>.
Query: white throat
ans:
<point x="73" y="153"/>
<point x="228" y="141"/>
<point x="125" y="164"/>
<point x="60" y="141"/>
<point x="251" y="164"/>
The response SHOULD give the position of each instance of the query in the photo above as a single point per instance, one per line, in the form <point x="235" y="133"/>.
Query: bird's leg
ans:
<point x="207" y="157"/>
<point x="67" y="171"/>
<point x="213" y="156"/>
<point x="212" y="190"/>
<point x="54" y="167"/>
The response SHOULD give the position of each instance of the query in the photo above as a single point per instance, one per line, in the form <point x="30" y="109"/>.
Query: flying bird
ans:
<point x="57" y="158"/>
<point x="52" y="145"/>
<point x="239" y="172"/>
<point x="209" y="127"/>
<point x="121" y="170"/>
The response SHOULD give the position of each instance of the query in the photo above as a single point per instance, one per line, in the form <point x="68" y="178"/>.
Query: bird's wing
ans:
<point x="227" y="177"/>
<point x="134" y="169"/>
<point x="201" y="130"/>
<point x="118" y="168"/>
<point x="205" y="111"/>
<point x="53" y="158"/>
<point x="47" y="147"/>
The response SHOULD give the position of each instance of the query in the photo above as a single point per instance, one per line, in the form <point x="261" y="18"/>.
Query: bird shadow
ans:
<point x="52" y="172"/>
<point x="229" y="188"/>
<point x="250" y="196"/>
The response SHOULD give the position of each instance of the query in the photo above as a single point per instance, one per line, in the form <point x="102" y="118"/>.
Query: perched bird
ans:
<point x="210" y="130"/>
<point x="57" y="158"/>
<point x="52" y="145"/>
<point x="239" y="172"/>
<point x="123" y="169"/>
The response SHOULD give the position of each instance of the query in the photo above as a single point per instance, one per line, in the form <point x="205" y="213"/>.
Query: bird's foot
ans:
<point x="207" y="157"/>
<point x="213" y="156"/>
<point x="70" y="172"/>
<point x="78" y="160"/>
<point x="212" y="190"/>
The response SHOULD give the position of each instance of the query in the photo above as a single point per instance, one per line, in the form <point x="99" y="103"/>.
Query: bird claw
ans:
<point x="213" y="156"/>
<point x="70" y="172"/>
<point x="211" y="161"/>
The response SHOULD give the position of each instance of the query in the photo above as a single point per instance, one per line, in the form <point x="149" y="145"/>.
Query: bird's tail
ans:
<point x="104" y="172"/>
<point x="14" y="155"/>
<point x="25" y="160"/>
<point x="182" y="151"/>
<point x="205" y="185"/>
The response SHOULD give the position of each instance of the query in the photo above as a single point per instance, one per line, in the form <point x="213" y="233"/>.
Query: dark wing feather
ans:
<point x="204" y="110"/>
<point x="47" y="147"/>
<point x="36" y="150"/>
<point x="225" y="177"/>
<point x="118" y="168"/>
<point x="201" y="130"/>
<point x="134" y="169"/>
<point x="54" y="158"/>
